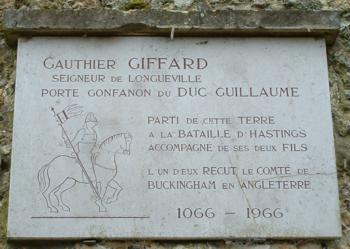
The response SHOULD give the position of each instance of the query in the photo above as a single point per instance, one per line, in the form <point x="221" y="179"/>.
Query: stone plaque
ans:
<point x="189" y="138"/>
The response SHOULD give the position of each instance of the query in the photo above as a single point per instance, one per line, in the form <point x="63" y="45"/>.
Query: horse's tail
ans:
<point x="43" y="178"/>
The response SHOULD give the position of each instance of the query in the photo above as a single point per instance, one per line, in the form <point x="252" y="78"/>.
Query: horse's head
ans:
<point x="128" y="139"/>
<point x="118" y="143"/>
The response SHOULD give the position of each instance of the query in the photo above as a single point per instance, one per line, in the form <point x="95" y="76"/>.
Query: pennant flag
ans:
<point x="69" y="112"/>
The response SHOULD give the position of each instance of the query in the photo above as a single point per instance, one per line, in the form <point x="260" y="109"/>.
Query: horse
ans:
<point x="64" y="171"/>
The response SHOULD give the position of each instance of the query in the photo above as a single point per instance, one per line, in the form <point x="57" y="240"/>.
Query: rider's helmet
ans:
<point x="90" y="117"/>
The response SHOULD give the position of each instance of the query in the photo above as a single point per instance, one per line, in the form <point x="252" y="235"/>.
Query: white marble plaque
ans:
<point x="190" y="138"/>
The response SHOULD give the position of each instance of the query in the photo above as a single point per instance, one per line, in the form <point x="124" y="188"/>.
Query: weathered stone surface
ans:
<point x="310" y="245"/>
<point x="183" y="3"/>
<point x="338" y="78"/>
<point x="153" y="22"/>
<point x="203" y="137"/>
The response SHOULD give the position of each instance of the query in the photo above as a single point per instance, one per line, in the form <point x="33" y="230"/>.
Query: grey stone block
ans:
<point x="91" y="22"/>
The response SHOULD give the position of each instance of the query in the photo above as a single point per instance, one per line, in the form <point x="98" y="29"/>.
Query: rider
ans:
<point x="84" y="143"/>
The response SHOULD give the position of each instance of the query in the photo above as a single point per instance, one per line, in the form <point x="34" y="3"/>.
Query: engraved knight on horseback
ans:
<point x="88" y="163"/>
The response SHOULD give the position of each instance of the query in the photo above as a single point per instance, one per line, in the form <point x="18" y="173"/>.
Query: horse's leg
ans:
<point x="48" y="196"/>
<point x="56" y="180"/>
<point x="66" y="185"/>
<point x="54" y="183"/>
<point x="54" y="176"/>
<point x="112" y="192"/>
<point x="104" y="189"/>
<point x="99" y="203"/>
<point x="45" y="184"/>
<point x="98" y="198"/>
<point x="49" y="204"/>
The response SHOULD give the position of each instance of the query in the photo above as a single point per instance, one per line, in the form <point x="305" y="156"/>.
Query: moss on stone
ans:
<point x="305" y="5"/>
<point x="135" y="4"/>
<point x="3" y="217"/>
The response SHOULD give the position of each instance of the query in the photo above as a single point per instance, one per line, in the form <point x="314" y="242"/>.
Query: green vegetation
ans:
<point x="135" y="4"/>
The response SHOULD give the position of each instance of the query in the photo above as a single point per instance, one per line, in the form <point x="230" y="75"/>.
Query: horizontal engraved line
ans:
<point x="230" y="213"/>
<point x="90" y="217"/>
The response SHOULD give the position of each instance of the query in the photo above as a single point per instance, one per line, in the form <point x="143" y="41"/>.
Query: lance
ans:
<point x="77" y="156"/>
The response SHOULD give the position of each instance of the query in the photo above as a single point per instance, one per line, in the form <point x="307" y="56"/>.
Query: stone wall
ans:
<point x="339" y="75"/>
